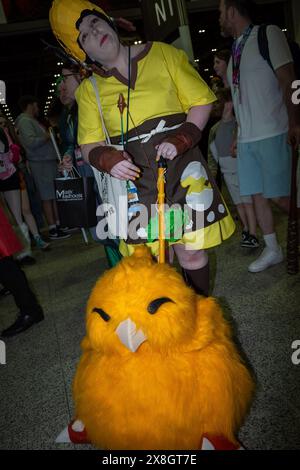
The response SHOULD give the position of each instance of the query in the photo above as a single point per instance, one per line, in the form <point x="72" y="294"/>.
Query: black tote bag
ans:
<point x="76" y="201"/>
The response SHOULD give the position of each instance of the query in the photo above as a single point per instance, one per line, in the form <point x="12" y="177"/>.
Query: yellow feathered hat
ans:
<point x="63" y="17"/>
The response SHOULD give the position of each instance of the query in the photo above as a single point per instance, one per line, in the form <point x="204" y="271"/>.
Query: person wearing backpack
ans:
<point x="269" y="122"/>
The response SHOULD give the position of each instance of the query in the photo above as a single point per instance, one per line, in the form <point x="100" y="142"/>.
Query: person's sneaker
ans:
<point x="267" y="258"/>
<point x="26" y="260"/>
<point x="245" y="235"/>
<point x="4" y="292"/>
<point x="67" y="229"/>
<point x="40" y="243"/>
<point x="250" y="242"/>
<point x="23" y="322"/>
<point x="56" y="234"/>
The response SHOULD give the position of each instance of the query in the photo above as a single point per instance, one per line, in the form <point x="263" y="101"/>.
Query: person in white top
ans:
<point x="269" y="122"/>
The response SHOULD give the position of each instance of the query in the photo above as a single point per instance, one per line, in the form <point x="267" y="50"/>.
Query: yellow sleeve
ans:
<point x="192" y="89"/>
<point x="89" y="123"/>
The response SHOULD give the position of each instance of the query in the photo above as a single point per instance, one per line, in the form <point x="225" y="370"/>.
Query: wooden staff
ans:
<point x="122" y="105"/>
<point x="161" y="212"/>
<point x="292" y="235"/>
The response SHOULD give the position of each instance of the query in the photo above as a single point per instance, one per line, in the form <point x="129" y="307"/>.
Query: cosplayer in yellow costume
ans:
<point x="163" y="94"/>
<point x="159" y="369"/>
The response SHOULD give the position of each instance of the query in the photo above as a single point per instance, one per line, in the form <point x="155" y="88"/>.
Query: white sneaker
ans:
<point x="267" y="258"/>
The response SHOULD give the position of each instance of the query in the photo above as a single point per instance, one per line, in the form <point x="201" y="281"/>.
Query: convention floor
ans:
<point x="35" y="383"/>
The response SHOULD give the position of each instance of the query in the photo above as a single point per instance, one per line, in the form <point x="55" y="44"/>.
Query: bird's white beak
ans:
<point x="128" y="335"/>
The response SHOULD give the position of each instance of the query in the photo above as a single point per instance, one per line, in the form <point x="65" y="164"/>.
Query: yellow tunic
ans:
<point x="163" y="83"/>
<point x="155" y="91"/>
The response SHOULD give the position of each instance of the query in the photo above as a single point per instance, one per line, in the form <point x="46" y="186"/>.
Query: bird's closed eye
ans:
<point x="155" y="304"/>
<point x="102" y="314"/>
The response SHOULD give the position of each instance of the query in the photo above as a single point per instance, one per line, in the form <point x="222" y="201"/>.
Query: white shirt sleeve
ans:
<point x="280" y="53"/>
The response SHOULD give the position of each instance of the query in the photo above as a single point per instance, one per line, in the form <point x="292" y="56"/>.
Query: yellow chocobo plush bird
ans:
<point x="159" y="369"/>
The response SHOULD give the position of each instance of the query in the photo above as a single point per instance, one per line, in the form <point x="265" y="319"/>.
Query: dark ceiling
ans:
<point x="27" y="68"/>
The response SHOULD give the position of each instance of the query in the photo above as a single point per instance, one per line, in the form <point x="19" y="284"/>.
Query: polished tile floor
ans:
<point x="35" y="383"/>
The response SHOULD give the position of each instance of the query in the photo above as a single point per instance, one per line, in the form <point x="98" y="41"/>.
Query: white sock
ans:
<point x="51" y="227"/>
<point x="271" y="241"/>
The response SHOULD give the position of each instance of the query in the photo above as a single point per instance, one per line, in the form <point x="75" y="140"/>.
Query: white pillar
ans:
<point x="184" y="41"/>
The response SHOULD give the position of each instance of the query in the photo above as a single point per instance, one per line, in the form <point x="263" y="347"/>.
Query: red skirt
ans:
<point x="9" y="243"/>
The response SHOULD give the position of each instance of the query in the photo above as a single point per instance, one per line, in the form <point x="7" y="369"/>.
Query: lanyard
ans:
<point x="237" y="50"/>
<point x="128" y="92"/>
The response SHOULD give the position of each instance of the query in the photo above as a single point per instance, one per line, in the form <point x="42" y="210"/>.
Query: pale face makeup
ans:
<point x="98" y="39"/>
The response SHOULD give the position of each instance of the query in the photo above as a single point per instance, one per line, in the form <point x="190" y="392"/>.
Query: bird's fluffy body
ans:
<point x="185" y="380"/>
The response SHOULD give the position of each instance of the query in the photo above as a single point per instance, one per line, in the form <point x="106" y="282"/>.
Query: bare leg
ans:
<point x="251" y="218"/>
<point x="48" y="210"/>
<point x="13" y="199"/>
<point x="241" y="211"/>
<point x="264" y="214"/>
<point x="190" y="259"/>
<point x="26" y="211"/>
<point x="55" y="211"/>
<point x="283" y="203"/>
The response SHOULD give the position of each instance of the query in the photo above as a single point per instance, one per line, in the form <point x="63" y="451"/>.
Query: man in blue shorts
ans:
<point x="269" y="122"/>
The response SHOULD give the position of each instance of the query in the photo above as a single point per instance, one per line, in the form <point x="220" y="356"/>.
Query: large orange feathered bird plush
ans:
<point x="159" y="369"/>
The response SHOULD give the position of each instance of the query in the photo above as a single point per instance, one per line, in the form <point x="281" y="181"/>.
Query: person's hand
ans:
<point x="125" y="170"/>
<point x="180" y="141"/>
<point x="166" y="150"/>
<point x="67" y="162"/>
<point x="294" y="136"/>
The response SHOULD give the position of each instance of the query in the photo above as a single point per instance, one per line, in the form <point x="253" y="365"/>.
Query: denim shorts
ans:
<point x="265" y="166"/>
